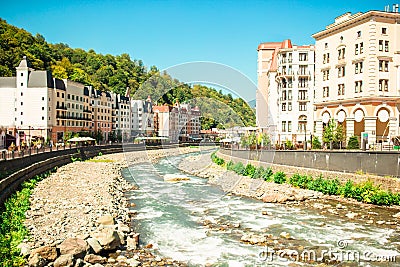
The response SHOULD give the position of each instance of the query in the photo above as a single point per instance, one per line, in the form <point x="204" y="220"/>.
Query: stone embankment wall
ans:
<point x="383" y="163"/>
<point x="387" y="183"/>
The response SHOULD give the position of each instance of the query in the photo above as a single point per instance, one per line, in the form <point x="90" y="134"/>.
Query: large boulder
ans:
<point x="108" y="238"/>
<point x="93" y="259"/>
<point x="75" y="246"/>
<point x="95" y="245"/>
<point x="35" y="260"/>
<point x="48" y="253"/>
<point x="64" y="260"/>
<point x="106" y="220"/>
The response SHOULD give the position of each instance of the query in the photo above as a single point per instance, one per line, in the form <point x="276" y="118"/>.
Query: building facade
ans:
<point x="142" y="117"/>
<point x="358" y="75"/>
<point x="285" y="92"/>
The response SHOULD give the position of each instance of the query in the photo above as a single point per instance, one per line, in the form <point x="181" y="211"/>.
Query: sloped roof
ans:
<point x="40" y="78"/>
<point x="161" y="108"/>
<point x="8" y="82"/>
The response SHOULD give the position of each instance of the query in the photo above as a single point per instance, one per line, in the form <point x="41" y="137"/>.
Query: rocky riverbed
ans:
<point x="343" y="208"/>
<point x="80" y="217"/>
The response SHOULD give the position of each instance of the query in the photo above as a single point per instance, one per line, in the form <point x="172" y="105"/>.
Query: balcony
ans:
<point x="303" y="73"/>
<point x="61" y="107"/>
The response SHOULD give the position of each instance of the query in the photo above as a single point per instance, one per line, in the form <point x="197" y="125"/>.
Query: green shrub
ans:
<point x="301" y="181"/>
<point x="250" y="170"/>
<point x="217" y="160"/>
<point x="267" y="174"/>
<point x="316" y="144"/>
<point x="333" y="187"/>
<point x="12" y="228"/>
<point x="353" y="143"/>
<point x="280" y="177"/>
<point x="258" y="173"/>
<point x="229" y="165"/>
<point x="239" y="168"/>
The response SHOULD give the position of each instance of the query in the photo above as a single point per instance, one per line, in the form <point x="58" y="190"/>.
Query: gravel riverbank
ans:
<point x="80" y="217"/>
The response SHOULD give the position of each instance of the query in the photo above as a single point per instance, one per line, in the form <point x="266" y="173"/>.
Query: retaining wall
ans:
<point x="383" y="163"/>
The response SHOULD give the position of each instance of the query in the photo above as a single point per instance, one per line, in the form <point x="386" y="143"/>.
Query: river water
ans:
<point x="197" y="223"/>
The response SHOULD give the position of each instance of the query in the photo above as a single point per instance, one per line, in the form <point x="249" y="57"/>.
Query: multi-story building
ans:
<point x="26" y="103"/>
<point x="180" y="122"/>
<point x="285" y="93"/>
<point x="142" y="117"/>
<point x="102" y="112"/>
<point x="122" y="116"/>
<point x="358" y="74"/>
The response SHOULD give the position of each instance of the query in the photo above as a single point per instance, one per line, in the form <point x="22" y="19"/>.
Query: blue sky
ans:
<point x="166" y="33"/>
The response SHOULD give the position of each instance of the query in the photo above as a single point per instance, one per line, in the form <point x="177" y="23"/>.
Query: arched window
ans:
<point x="302" y="125"/>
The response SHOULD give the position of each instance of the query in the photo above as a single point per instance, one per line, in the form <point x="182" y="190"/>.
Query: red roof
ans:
<point x="161" y="108"/>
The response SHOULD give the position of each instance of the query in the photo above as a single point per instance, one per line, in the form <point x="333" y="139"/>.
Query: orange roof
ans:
<point x="161" y="108"/>
<point x="275" y="46"/>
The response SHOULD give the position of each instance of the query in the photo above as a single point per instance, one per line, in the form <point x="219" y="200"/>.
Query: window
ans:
<point x="384" y="85"/>
<point x="358" y="67"/>
<point x="341" y="53"/>
<point x="284" y="95"/>
<point x="289" y="94"/>
<point x="326" y="45"/>
<point x="303" y="56"/>
<point x="62" y="95"/>
<point x="43" y="99"/>
<point x="302" y="126"/>
<point x="386" y="46"/>
<point x="289" y="126"/>
<point x="22" y="74"/>
<point x="58" y="94"/>
<point x="356" y="49"/>
<point x="361" y="47"/>
<point x="42" y="108"/>
<point x="289" y="107"/>
<point x="22" y="113"/>
<point x="325" y="75"/>
<point x="283" y="106"/>
<point x="302" y="94"/>
<point x="341" y="71"/>
<point x="383" y="65"/>
<point x="303" y="106"/>
<point x="303" y="83"/>
<point x="358" y="87"/>
<point x="22" y="103"/>
<point x="22" y="84"/>
<point x="359" y="34"/>
<point x="283" y="126"/>
<point x="303" y="70"/>
<point x="42" y="118"/>
<point x="341" y="89"/>
<point x="69" y="96"/>
<point x="384" y="31"/>
<point x="326" y="58"/>
<point x="73" y="97"/>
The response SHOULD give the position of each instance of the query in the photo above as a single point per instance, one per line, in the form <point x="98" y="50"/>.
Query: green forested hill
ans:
<point x="115" y="73"/>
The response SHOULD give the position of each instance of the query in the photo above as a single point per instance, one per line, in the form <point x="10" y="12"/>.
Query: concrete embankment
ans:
<point x="79" y="215"/>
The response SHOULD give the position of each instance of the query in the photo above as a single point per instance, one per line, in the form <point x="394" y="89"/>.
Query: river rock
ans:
<point x="74" y="246"/>
<point x="25" y="249"/>
<point x="133" y="262"/>
<point x="397" y="215"/>
<point x="270" y="198"/>
<point x="253" y="239"/>
<point x="64" y="260"/>
<point x="285" y="235"/>
<point x="93" y="259"/>
<point x="48" y="253"/>
<point x="94" y="244"/>
<point x="35" y="260"/>
<point x="108" y="238"/>
<point x="131" y="243"/>
<point x="106" y="220"/>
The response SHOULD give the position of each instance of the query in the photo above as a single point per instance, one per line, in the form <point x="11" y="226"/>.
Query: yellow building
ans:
<point x="358" y="75"/>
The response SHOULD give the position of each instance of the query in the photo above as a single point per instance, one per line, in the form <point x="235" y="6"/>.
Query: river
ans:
<point x="197" y="223"/>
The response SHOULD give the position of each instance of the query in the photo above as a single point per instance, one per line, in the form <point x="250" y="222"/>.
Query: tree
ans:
<point x="333" y="134"/>
<point x="316" y="144"/>
<point x="353" y="143"/>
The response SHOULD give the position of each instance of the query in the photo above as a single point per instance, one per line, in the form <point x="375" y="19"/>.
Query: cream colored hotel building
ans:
<point x="357" y="78"/>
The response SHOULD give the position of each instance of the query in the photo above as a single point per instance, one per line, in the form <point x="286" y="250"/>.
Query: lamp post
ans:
<point x="305" y="137"/>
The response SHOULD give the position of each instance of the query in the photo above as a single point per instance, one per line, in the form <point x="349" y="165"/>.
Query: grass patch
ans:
<point x="366" y="192"/>
<point x="12" y="217"/>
